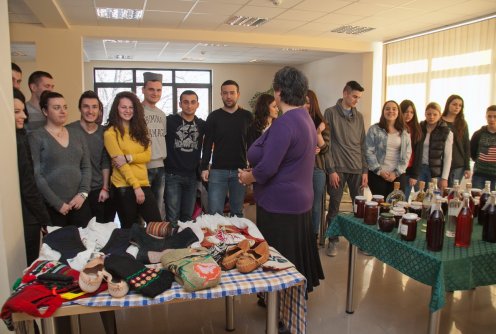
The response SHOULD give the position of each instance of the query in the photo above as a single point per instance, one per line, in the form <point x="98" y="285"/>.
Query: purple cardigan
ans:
<point x="283" y="159"/>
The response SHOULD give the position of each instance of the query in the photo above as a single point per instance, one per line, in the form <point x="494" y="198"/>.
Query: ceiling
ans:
<point x="291" y="21"/>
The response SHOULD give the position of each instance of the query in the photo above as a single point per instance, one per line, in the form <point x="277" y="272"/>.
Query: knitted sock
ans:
<point x="183" y="239"/>
<point x="67" y="241"/>
<point x="144" y="241"/>
<point x="148" y="282"/>
<point x="118" y="242"/>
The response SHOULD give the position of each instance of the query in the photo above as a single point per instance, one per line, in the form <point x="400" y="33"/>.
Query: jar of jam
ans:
<point x="359" y="206"/>
<point x="416" y="208"/>
<point x="378" y="198"/>
<point x="397" y="213"/>
<point x="386" y="222"/>
<point x="384" y="207"/>
<point x="371" y="213"/>
<point x="408" y="227"/>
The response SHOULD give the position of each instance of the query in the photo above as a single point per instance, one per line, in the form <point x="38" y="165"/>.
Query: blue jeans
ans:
<point x="220" y="183"/>
<point x="157" y="181"/>
<point x="319" y="180"/>
<point x="455" y="174"/>
<point x="478" y="181"/>
<point x="180" y="197"/>
<point x="425" y="175"/>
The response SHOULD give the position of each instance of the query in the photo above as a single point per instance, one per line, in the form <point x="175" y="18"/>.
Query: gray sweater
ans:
<point x="60" y="172"/>
<point x="347" y="144"/>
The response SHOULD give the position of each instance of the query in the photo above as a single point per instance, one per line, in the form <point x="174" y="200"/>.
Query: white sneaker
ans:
<point x="331" y="248"/>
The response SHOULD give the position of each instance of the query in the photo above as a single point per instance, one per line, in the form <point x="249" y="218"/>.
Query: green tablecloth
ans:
<point x="454" y="268"/>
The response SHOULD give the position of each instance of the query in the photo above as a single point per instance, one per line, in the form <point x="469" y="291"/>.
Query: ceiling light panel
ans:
<point x="352" y="30"/>
<point x="246" y="21"/>
<point x="119" y="13"/>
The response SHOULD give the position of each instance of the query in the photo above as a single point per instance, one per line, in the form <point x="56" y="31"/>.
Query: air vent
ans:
<point x="18" y="54"/>
<point x="246" y="21"/>
<point x="352" y="30"/>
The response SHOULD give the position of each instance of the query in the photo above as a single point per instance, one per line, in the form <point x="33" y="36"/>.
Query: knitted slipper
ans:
<point x="253" y="258"/>
<point x="148" y="282"/>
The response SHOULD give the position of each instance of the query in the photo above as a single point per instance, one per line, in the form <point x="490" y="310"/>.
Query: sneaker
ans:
<point x="331" y="248"/>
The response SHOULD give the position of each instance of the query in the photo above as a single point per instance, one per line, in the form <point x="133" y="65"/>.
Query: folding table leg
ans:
<point x="434" y="319"/>
<point x="272" y="313"/>
<point x="230" y="313"/>
<point x="351" y="279"/>
<point x="48" y="326"/>
<point x="75" y="324"/>
<point x="108" y="320"/>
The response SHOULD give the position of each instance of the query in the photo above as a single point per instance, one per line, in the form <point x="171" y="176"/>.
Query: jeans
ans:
<point x="220" y="183"/>
<point x="319" y="179"/>
<point x="455" y="174"/>
<point x="157" y="184"/>
<point x="129" y="211"/>
<point x="478" y="181"/>
<point x="180" y="197"/>
<point x="424" y="175"/>
<point x="354" y="182"/>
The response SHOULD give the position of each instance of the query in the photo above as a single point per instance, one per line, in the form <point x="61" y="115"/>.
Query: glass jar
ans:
<point x="371" y="213"/>
<point x="378" y="198"/>
<point x="408" y="227"/>
<point x="384" y="207"/>
<point x="386" y="222"/>
<point x="397" y="213"/>
<point x="416" y="208"/>
<point x="359" y="206"/>
<point x="402" y="204"/>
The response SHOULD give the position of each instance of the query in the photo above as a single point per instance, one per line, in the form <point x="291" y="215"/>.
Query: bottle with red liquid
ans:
<point x="483" y="200"/>
<point x="435" y="227"/>
<point x="489" y="226"/>
<point x="464" y="222"/>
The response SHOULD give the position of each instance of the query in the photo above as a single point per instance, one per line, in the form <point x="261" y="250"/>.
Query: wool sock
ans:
<point x="118" y="242"/>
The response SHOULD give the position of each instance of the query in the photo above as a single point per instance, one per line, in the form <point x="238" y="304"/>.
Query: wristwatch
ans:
<point x="84" y="195"/>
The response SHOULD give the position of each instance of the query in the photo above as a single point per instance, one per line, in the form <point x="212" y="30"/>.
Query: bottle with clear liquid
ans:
<point x="489" y="226"/>
<point x="456" y="183"/>
<point x="397" y="195"/>
<point x="468" y="190"/>
<point x="435" y="190"/>
<point x="486" y="192"/>
<point x="454" y="207"/>
<point x="435" y="227"/>
<point x="464" y="222"/>
<point x="427" y="202"/>
<point x="421" y="194"/>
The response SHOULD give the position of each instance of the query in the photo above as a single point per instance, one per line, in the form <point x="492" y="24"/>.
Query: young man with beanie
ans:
<point x="345" y="161"/>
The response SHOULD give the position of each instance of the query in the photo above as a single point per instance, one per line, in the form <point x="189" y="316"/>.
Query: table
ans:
<point x="290" y="283"/>
<point x="454" y="268"/>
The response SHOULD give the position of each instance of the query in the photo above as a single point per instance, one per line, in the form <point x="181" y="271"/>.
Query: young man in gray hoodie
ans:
<point x="345" y="162"/>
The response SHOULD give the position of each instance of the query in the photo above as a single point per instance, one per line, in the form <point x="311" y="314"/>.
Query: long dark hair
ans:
<point x="399" y="123"/>
<point x="413" y="125"/>
<point x="459" y="125"/>
<point x="137" y="125"/>
<point x="314" y="109"/>
<point x="262" y="111"/>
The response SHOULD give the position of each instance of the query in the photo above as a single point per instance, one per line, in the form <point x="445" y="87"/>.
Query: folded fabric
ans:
<point x="66" y="241"/>
<point x="159" y="229"/>
<point x="118" y="242"/>
<point x="194" y="269"/>
<point x="148" y="282"/>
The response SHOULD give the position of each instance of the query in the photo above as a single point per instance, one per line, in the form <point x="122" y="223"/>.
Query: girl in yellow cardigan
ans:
<point x="128" y="144"/>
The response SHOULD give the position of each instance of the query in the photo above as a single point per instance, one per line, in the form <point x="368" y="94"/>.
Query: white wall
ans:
<point x="327" y="78"/>
<point x="251" y="78"/>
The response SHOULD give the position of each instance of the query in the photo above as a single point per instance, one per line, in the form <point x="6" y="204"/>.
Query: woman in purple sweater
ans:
<point x="283" y="159"/>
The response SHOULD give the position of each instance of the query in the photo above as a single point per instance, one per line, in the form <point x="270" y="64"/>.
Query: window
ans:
<point x="110" y="81"/>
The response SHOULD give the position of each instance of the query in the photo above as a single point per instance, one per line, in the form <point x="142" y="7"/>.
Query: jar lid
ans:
<point x="401" y="204"/>
<point x="410" y="216"/>
<point x="377" y="196"/>
<point x="362" y="198"/>
<point x="387" y="215"/>
<point x="399" y="211"/>
<point x="371" y="203"/>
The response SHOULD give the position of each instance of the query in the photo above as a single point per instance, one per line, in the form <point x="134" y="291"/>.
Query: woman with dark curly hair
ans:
<point x="128" y="144"/>
<point x="453" y="116"/>
<point x="265" y="112"/>
<point x="409" y="179"/>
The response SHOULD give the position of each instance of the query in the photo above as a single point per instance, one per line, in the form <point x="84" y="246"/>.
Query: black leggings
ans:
<point x="129" y="211"/>
<point x="104" y="212"/>
<point x="79" y="218"/>
<point x="379" y="186"/>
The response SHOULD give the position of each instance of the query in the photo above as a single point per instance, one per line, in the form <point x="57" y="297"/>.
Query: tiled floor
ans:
<point x="387" y="302"/>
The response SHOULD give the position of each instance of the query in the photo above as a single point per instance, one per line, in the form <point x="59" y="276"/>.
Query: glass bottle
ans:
<point x="489" y="227"/>
<point x="421" y="194"/>
<point x="427" y="202"/>
<point x="396" y="195"/>
<point x="464" y="222"/>
<point x="435" y="189"/>
<point x="486" y="192"/>
<point x="468" y="190"/>
<point x="435" y="227"/>
<point x="454" y="207"/>
<point x="456" y="185"/>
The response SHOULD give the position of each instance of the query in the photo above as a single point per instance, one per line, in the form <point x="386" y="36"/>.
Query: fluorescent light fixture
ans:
<point x="119" y="41"/>
<point x="294" y="50"/>
<point x="246" y="21"/>
<point x="192" y="59"/>
<point x="120" y="57"/>
<point x="119" y="13"/>
<point x="352" y="30"/>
